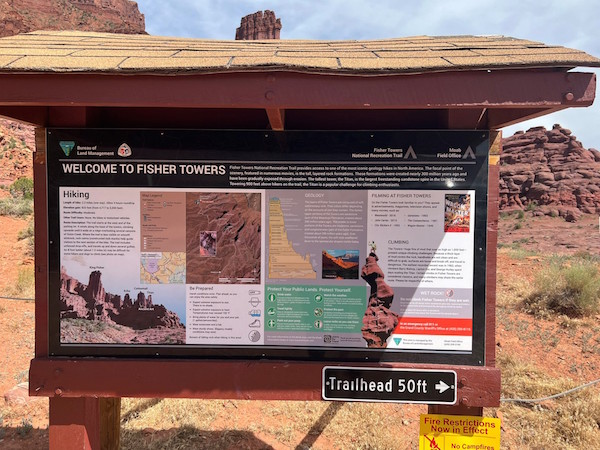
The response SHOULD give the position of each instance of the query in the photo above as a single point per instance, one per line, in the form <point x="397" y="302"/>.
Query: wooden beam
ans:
<point x="177" y="378"/>
<point x="510" y="89"/>
<point x="466" y="119"/>
<point x="31" y="115"/>
<point x="276" y="118"/>
<point x="500" y="118"/>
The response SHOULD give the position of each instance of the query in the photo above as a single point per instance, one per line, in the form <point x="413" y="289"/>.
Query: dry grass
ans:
<point x="567" y="423"/>
<point x="569" y="286"/>
<point x="25" y="285"/>
<point x="172" y="424"/>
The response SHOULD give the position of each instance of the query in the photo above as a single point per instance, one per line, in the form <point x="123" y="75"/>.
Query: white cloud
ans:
<point x="571" y="24"/>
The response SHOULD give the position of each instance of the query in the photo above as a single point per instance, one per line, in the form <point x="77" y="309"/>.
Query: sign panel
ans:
<point x="303" y="245"/>
<point x="442" y="432"/>
<point x="434" y="387"/>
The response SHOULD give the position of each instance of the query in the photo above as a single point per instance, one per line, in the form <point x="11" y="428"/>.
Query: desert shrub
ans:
<point x="22" y="188"/>
<point x="531" y="206"/>
<point x="587" y="256"/>
<point x="520" y="214"/>
<point x="569" y="286"/>
<point x="20" y="202"/>
<point x="25" y="428"/>
<point x="17" y="207"/>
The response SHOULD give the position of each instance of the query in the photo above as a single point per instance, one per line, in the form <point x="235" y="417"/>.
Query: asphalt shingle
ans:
<point x="74" y="51"/>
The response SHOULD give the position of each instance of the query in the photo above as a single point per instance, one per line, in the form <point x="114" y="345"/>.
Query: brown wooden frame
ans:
<point x="81" y="390"/>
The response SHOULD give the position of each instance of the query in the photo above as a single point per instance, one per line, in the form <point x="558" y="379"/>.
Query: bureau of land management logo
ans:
<point x="67" y="147"/>
<point x="124" y="150"/>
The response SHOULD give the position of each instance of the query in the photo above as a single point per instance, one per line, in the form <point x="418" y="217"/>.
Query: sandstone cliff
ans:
<point x="549" y="171"/>
<point x="111" y="16"/>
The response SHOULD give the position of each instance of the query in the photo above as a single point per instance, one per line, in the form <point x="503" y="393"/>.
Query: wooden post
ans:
<point x="85" y="423"/>
<point x="74" y="423"/>
<point x="110" y="423"/>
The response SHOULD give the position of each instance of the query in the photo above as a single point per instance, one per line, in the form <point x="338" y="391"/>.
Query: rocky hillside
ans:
<point x="111" y="16"/>
<point x="16" y="149"/>
<point x="550" y="172"/>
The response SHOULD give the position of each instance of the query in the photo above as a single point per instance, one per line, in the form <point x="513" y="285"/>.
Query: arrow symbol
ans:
<point x="442" y="387"/>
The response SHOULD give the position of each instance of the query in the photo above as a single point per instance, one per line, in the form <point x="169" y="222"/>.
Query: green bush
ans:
<point x="22" y="188"/>
<point x="20" y="203"/>
<point x="569" y="286"/>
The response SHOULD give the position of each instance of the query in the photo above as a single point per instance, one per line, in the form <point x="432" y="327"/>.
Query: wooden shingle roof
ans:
<point x="73" y="51"/>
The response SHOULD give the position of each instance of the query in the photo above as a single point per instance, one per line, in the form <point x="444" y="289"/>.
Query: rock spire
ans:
<point x="257" y="26"/>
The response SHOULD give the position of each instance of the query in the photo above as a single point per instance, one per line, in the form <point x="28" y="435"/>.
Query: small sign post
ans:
<point x="367" y="384"/>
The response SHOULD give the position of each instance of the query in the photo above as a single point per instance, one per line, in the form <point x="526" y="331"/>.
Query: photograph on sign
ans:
<point x="306" y="245"/>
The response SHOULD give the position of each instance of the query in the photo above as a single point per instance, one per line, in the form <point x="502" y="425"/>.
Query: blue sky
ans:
<point x="572" y="23"/>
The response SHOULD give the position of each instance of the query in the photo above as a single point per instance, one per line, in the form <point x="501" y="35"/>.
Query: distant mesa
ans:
<point x="550" y="173"/>
<point x="258" y="26"/>
<point x="93" y="303"/>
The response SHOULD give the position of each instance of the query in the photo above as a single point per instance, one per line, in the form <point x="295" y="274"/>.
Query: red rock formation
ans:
<point x="549" y="171"/>
<point x="22" y="16"/>
<point x="260" y="25"/>
<point x="16" y="151"/>
<point x="92" y="302"/>
<point x="111" y="16"/>
<point x="378" y="322"/>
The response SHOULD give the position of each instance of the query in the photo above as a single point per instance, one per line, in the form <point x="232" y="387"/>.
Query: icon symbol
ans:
<point x="410" y="153"/>
<point x="271" y="311"/>
<point x="254" y="336"/>
<point x="441" y="387"/>
<point x="67" y="147"/>
<point x="318" y="312"/>
<point x="254" y="301"/>
<point x="397" y="341"/>
<point x="318" y="298"/>
<point x="318" y="324"/>
<point x="255" y="324"/>
<point x="271" y="323"/>
<point x="124" y="150"/>
<point x="272" y="297"/>
<point x="255" y="313"/>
